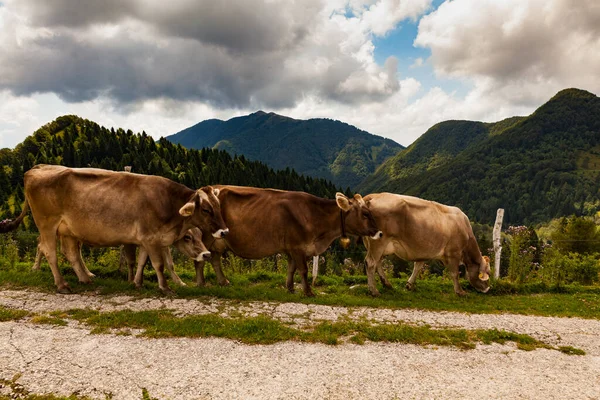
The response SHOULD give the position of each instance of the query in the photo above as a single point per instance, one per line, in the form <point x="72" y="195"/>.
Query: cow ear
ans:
<point x="216" y="192"/>
<point x="342" y="201"/>
<point x="187" y="209"/>
<point x="359" y="199"/>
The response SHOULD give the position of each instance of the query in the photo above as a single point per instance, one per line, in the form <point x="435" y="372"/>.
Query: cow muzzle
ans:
<point x="204" y="256"/>
<point x="221" y="233"/>
<point x="378" y="235"/>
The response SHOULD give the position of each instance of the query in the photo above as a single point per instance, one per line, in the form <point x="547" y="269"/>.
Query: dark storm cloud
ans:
<point x="228" y="54"/>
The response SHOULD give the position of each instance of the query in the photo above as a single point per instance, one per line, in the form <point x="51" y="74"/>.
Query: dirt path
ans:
<point x="63" y="360"/>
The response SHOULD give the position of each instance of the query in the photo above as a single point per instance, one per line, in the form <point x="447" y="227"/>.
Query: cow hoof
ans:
<point x="91" y="275"/>
<point x="309" y="294"/>
<point x="167" y="291"/>
<point x="388" y="285"/>
<point x="410" y="286"/>
<point x="225" y="283"/>
<point x="64" y="290"/>
<point x="181" y="283"/>
<point x="375" y="293"/>
<point x="461" y="293"/>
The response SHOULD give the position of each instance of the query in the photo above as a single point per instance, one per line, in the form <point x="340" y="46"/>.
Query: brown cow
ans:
<point x="106" y="208"/>
<point x="264" y="222"/>
<point x="420" y="230"/>
<point x="190" y="244"/>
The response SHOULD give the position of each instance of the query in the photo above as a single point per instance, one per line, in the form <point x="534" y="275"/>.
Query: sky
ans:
<point x="393" y="68"/>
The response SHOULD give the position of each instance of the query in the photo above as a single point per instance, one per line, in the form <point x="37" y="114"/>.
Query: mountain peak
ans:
<point x="320" y="148"/>
<point x="573" y="93"/>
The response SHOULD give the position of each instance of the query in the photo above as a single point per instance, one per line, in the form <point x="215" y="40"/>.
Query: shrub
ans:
<point x="109" y="258"/>
<point x="522" y="254"/>
<point x="9" y="250"/>
<point x="558" y="268"/>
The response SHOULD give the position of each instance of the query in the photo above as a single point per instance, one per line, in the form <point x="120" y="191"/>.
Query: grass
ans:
<point x="434" y="293"/>
<point x="9" y="314"/>
<point x="264" y="330"/>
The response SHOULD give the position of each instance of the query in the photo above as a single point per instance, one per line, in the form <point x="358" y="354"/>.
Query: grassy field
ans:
<point x="434" y="293"/>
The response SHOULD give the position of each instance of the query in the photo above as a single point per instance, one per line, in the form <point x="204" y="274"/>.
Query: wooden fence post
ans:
<point x="497" y="242"/>
<point x="315" y="269"/>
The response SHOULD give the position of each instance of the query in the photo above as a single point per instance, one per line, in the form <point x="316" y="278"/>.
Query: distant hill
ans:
<point x="78" y="142"/>
<point x="435" y="148"/>
<point x="537" y="167"/>
<point x="322" y="148"/>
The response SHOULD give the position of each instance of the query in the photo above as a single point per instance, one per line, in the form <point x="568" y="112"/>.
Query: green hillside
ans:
<point x="317" y="147"/>
<point x="77" y="142"/>
<point x="538" y="167"/>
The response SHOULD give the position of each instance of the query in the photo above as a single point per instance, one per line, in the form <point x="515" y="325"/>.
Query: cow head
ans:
<point x="204" y="210"/>
<point x="191" y="245"/>
<point x="479" y="274"/>
<point x="357" y="216"/>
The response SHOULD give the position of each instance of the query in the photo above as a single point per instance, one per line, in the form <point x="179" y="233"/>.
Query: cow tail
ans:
<point x="11" y="224"/>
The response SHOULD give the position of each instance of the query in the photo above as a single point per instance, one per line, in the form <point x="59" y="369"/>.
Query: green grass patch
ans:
<point x="571" y="350"/>
<point x="264" y="330"/>
<point x="434" y="293"/>
<point x="8" y="314"/>
<point x="48" y="320"/>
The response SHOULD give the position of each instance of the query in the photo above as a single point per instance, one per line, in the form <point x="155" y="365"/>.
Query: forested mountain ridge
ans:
<point x="539" y="167"/>
<point x="77" y="142"/>
<point x="435" y="148"/>
<point x="318" y="147"/>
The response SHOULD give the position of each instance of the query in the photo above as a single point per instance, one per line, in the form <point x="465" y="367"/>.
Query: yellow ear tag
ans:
<point x="480" y="275"/>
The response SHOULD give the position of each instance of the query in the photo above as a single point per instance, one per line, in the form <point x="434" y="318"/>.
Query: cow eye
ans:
<point x="207" y="211"/>
<point x="187" y="238"/>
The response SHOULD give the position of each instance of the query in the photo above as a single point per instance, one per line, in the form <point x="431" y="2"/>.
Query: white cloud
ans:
<point x="524" y="50"/>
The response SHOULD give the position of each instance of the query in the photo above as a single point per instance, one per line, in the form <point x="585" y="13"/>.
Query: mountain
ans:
<point x="537" y="167"/>
<point x="317" y="147"/>
<point x="77" y="142"/>
<point x="435" y="148"/>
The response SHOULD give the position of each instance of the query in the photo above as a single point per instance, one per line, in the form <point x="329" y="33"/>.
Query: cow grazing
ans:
<point x="419" y="230"/>
<point x="106" y="208"/>
<point x="264" y="222"/>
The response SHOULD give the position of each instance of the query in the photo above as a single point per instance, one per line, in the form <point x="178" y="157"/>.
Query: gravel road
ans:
<point x="67" y="359"/>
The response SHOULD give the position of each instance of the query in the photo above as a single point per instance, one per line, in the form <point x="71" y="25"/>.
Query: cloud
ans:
<point x="236" y="54"/>
<point x="526" y="50"/>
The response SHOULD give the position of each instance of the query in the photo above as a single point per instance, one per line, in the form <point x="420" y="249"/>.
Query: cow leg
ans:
<point x="289" y="283"/>
<point x="71" y="248"/>
<point x="199" y="266"/>
<point x="158" y="262"/>
<point x="139" y="272"/>
<point x="382" y="277"/>
<point x="48" y="246"/>
<point x="215" y="261"/>
<point x="127" y="257"/>
<point x="169" y="263"/>
<point x="38" y="257"/>
<point x="302" y="268"/>
<point x="374" y="254"/>
<point x="418" y="267"/>
<point x="453" y="270"/>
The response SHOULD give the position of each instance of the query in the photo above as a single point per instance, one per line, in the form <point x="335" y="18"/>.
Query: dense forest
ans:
<point x="317" y="147"/>
<point x="537" y="168"/>
<point x="77" y="142"/>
